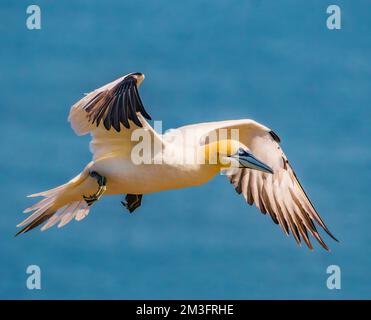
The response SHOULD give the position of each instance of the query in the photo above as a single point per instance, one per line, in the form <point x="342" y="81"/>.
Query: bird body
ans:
<point x="130" y="157"/>
<point x="124" y="177"/>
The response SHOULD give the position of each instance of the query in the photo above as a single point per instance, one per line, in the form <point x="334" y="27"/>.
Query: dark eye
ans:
<point x="241" y="152"/>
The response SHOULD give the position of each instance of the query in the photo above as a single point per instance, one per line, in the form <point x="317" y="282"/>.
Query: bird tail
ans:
<point x="61" y="204"/>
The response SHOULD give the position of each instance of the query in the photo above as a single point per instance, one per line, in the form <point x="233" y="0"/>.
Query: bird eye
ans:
<point x="241" y="152"/>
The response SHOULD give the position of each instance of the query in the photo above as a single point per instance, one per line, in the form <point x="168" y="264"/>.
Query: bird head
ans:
<point x="231" y="153"/>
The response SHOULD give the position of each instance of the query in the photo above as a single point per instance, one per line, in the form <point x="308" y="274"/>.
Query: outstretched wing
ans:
<point x="110" y="113"/>
<point x="113" y="104"/>
<point x="279" y="194"/>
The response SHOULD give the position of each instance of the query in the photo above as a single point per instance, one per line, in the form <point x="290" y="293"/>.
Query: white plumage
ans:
<point x="113" y="112"/>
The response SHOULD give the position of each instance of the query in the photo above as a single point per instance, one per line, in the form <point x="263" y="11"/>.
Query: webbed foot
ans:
<point x="101" y="188"/>
<point x="132" y="201"/>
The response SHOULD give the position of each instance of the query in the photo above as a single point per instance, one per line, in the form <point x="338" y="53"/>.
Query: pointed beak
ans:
<point x="248" y="160"/>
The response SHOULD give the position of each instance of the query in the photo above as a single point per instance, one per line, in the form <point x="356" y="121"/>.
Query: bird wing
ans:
<point x="110" y="114"/>
<point x="279" y="194"/>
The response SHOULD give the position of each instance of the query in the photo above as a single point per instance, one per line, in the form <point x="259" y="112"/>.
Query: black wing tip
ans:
<point x="34" y="224"/>
<point x="18" y="233"/>
<point x="275" y="136"/>
<point x="324" y="227"/>
<point x="321" y="241"/>
<point x="117" y="106"/>
<point x="332" y="236"/>
<point x="23" y="230"/>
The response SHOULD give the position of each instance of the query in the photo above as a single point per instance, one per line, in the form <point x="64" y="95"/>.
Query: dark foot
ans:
<point x="101" y="188"/>
<point x="132" y="201"/>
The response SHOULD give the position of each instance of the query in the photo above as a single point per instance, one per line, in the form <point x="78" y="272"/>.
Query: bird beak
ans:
<point x="248" y="160"/>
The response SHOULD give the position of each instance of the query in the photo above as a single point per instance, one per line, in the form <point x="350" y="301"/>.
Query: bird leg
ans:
<point x="101" y="189"/>
<point x="132" y="201"/>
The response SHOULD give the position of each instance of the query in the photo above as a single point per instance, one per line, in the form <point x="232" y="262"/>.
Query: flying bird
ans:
<point x="254" y="163"/>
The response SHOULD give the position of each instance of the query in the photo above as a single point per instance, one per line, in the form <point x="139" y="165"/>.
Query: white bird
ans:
<point x="254" y="163"/>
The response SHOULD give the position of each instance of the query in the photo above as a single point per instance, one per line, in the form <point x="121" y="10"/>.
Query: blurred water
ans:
<point x="273" y="61"/>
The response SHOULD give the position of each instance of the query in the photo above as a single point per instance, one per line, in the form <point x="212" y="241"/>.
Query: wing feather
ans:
<point x="280" y="194"/>
<point x="106" y="104"/>
<point x="110" y="114"/>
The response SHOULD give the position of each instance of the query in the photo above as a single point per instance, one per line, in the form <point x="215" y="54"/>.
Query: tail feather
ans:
<point x="40" y="204"/>
<point x="77" y="209"/>
<point x="33" y="216"/>
<point x="82" y="213"/>
<point x="47" y="193"/>
<point x="70" y="212"/>
<point x="54" y="219"/>
<point x="34" y="224"/>
<point x="61" y="204"/>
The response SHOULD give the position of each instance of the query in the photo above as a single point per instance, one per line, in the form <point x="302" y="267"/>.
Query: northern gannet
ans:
<point x="114" y="114"/>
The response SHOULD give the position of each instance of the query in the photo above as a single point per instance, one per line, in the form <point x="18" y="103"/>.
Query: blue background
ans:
<point x="272" y="61"/>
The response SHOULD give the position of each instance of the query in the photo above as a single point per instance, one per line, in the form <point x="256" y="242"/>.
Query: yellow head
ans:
<point x="229" y="153"/>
